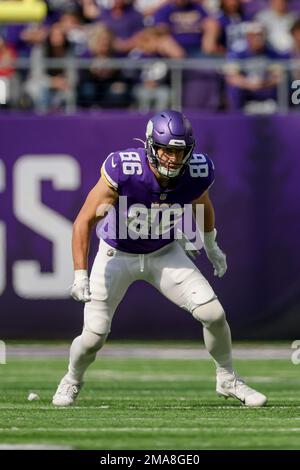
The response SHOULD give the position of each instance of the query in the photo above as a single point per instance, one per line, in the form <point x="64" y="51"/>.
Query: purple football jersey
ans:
<point x="128" y="171"/>
<point x="185" y="23"/>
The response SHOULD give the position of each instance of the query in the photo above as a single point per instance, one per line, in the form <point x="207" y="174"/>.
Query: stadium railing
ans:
<point x="72" y="66"/>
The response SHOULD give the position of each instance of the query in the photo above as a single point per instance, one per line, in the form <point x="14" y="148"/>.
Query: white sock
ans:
<point x="217" y="339"/>
<point x="83" y="352"/>
<point x="216" y="332"/>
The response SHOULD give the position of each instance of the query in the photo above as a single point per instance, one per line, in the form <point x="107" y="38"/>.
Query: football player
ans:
<point x="166" y="171"/>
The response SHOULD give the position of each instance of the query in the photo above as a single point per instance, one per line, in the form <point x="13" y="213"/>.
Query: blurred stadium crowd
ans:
<point x="157" y="32"/>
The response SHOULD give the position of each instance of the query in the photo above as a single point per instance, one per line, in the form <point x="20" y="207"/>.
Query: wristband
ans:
<point x="210" y="239"/>
<point x="80" y="274"/>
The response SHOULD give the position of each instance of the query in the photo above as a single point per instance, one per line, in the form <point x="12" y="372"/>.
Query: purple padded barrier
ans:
<point x="256" y="196"/>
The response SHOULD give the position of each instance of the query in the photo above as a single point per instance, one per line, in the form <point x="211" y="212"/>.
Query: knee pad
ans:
<point x="210" y="314"/>
<point x="97" y="317"/>
<point x="92" y="342"/>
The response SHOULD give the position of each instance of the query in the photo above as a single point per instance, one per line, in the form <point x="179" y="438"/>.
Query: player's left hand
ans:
<point x="217" y="259"/>
<point x="214" y="253"/>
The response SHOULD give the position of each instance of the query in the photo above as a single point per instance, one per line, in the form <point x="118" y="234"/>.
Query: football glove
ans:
<point x="80" y="289"/>
<point x="214" y="253"/>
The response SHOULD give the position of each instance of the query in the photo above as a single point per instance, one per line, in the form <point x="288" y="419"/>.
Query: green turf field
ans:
<point x="150" y="404"/>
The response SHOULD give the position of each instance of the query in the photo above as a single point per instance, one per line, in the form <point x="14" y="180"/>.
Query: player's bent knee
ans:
<point x="211" y="313"/>
<point x="92" y="342"/>
<point x="198" y="293"/>
<point x="97" y="317"/>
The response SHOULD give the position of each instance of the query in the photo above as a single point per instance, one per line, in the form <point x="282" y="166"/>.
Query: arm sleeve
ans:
<point x="110" y="171"/>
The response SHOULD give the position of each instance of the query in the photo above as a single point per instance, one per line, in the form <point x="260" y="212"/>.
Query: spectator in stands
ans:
<point x="101" y="86"/>
<point x="34" y="34"/>
<point x="211" y="6"/>
<point x="7" y="55"/>
<point x="74" y="30"/>
<point x="55" y="8"/>
<point x="49" y="87"/>
<point x="89" y="10"/>
<point x="252" y="7"/>
<point x="295" y="52"/>
<point x="189" y="25"/>
<point x="149" y="7"/>
<point x="256" y="83"/>
<point x="70" y="21"/>
<point x="295" y="31"/>
<point x="124" y="21"/>
<point x="278" y="21"/>
<point x="8" y="77"/>
<point x="195" y="31"/>
<point x="152" y="92"/>
<point x="13" y="35"/>
<point x="230" y="18"/>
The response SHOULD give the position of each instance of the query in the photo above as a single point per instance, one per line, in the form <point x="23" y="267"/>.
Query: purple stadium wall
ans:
<point x="48" y="164"/>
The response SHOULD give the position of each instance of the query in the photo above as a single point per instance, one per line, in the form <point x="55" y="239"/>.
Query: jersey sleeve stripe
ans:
<point x="109" y="181"/>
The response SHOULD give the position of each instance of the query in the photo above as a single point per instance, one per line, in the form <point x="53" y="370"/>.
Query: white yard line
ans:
<point x="102" y="429"/>
<point x="201" y="403"/>
<point x="151" y="352"/>
<point x="165" y="377"/>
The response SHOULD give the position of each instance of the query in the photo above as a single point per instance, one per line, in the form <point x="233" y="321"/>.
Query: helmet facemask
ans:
<point x="167" y="168"/>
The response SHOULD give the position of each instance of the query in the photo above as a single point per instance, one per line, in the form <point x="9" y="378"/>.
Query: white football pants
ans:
<point x="168" y="269"/>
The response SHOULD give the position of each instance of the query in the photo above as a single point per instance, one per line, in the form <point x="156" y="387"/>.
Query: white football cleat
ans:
<point x="66" y="393"/>
<point x="234" y="386"/>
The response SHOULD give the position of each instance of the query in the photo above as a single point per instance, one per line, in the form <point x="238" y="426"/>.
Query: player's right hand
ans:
<point x="80" y="289"/>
